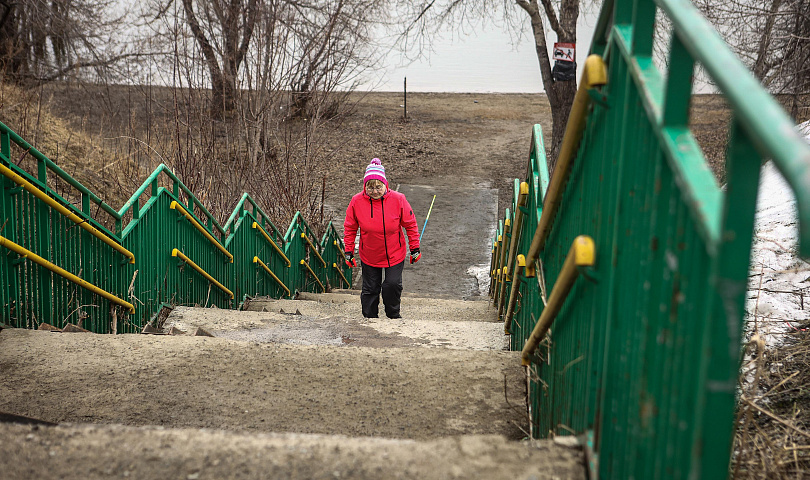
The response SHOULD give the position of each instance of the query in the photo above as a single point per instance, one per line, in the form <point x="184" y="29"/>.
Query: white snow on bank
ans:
<point x="778" y="281"/>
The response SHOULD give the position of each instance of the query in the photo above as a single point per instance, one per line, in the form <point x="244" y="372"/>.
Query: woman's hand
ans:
<point x="415" y="255"/>
<point x="349" y="258"/>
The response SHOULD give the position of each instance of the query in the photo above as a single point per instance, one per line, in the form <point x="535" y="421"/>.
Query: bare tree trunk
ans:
<point x="560" y="94"/>
<point x="235" y="42"/>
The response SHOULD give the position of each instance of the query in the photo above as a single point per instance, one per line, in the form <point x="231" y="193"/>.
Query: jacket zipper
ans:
<point x="385" y="237"/>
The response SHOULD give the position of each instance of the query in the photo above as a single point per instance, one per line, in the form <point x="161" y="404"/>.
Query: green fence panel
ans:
<point x="643" y="356"/>
<point x="338" y="274"/>
<point x="260" y="267"/>
<point x="183" y="259"/>
<point x="35" y="218"/>
<point x="529" y="297"/>
<point x="307" y="274"/>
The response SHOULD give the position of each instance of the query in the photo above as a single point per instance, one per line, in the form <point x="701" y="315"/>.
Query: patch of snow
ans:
<point x="481" y="273"/>
<point x="778" y="280"/>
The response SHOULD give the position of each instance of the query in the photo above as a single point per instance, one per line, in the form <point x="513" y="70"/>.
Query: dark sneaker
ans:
<point x="395" y="316"/>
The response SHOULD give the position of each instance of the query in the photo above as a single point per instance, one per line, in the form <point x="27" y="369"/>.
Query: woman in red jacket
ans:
<point x="380" y="214"/>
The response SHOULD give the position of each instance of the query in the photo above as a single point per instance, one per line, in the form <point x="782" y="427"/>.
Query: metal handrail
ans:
<point x="312" y="272"/>
<point x="178" y="253"/>
<point x="11" y="175"/>
<point x="762" y="118"/>
<point x="507" y="232"/>
<point x="517" y="230"/>
<point x="581" y="254"/>
<point x="41" y="157"/>
<point x="594" y="74"/>
<point x="496" y="268"/>
<point x="510" y="309"/>
<point x="176" y="206"/>
<point x="314" y="250"/>
<point x="256" y="209"/>
<point x="337" y="246"/>
<point x="267" y="237"/>
<point x="340" y="272"/>
<point x="267" y="269"/>
<point x="20" y="250"/>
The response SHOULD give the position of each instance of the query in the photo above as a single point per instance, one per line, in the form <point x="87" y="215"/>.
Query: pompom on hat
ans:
<point x="375" y="171"/>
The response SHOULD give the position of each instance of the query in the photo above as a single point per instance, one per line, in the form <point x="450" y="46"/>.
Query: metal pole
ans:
<point x="405" y="93"/>
<point x="426" y="219"/>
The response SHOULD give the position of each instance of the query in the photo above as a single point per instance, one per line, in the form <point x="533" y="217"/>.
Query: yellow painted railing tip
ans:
<point x="524" y="188"/>
<point x="255" y="259"/>
<point x="174" y="252"/>
<point x="584" y="251"/>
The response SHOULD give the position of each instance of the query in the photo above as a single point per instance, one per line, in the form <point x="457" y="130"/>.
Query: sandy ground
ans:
<point x="84" y="452"/>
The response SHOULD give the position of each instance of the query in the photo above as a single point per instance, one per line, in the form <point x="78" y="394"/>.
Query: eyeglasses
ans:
<point x="378" y="188"/>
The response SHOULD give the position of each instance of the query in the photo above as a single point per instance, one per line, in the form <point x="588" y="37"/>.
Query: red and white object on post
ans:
<point x="565" y="52"/>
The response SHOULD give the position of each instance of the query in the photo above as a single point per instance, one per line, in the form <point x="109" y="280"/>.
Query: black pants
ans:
<point x="391" y="289"/>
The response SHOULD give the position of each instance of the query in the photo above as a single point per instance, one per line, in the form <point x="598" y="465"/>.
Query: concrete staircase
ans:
<point x="301" y="388"/>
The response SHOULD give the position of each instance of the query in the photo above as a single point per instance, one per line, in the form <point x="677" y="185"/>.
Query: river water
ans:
<point x="488" y="60"/>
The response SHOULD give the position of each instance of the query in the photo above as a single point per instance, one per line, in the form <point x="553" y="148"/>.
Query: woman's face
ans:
<point x="375" y="189"/>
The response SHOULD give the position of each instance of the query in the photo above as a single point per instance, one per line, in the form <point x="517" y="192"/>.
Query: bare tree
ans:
<point x="772" y="38"/>
<point x="560" y="16"/>
<point x="43" y="40"/>
<point x="224" y="37"/>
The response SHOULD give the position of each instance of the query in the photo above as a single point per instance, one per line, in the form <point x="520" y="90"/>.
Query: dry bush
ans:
<point x="773" y="434"/>
<point x="28" y="113"/>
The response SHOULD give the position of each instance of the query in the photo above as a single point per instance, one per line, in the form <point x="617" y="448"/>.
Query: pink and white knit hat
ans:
<point x="375" y="171"/>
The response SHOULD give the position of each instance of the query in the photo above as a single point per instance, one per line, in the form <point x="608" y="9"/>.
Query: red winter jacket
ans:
<point x="382" y="243"/>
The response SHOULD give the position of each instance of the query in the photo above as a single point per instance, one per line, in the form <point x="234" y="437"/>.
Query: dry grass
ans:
<point x="79" y="154"/>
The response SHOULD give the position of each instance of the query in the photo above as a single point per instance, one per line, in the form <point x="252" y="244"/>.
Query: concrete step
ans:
<point x="114" y="451"/>
<point x="335" y="319"/>
<point x="204" y="382"/>
<point x="413" y="307"/>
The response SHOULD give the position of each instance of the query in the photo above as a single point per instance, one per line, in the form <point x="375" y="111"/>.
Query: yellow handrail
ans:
<point x="510" y="309"/>
<point x="593" y="75"/>
<point x="176" y="206"/>
<point x="337" y="246"/>
<point x="65" y="212"/>
<point x="516" y="232"/>
<point x="178" y="253"/>
<point x="314" y="250"/>
<point x="496" y="270"/>
<point x="340" y="272"/>
<point x="582" y="254"/>
<point x="304" y="263"/>
<point x="267" y="269"/>
<point x="507" y="229"/>
<point x="267" y="237"/>
<point x="20" y="250"/>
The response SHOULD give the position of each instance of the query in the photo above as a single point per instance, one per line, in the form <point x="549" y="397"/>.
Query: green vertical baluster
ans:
<point x="44" y="296"/>
<point x="724" y="331"/>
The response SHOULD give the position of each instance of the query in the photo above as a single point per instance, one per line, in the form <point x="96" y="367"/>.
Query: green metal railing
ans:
<point x="260" y="265"/>
<point x="308" y="273"/>
<point x="338" y="274"/>
<point x="59" y="265"/>
<point x="161" y="223"/>
<point x="639" y="352"/>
